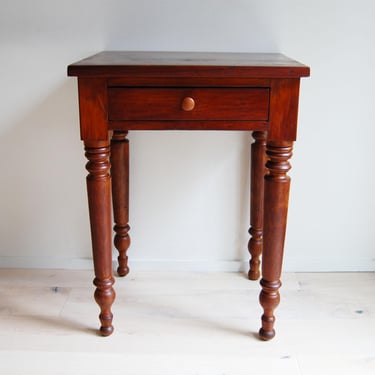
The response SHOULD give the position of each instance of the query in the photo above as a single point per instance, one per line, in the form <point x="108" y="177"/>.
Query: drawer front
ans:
<point x="173" y="104"/>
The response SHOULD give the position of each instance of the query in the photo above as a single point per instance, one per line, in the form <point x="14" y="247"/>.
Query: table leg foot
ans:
<point x="266" y="335"/>
<point x="269" y="299"/>
<point x="104" y="297"/>
<point x="122" y="243"/>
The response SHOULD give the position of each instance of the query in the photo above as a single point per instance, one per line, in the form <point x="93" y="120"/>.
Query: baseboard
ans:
<point x="46" y="262"/>
<point x="136" y="264"/>
<point x="329" y="265"/>
<point x="189" y="265"/>
<point x="290" y="265"/>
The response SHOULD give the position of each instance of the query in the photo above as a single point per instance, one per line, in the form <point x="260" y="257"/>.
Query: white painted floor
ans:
<point x="186" y="323"/>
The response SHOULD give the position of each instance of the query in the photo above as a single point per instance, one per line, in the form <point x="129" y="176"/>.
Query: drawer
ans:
<point x="173" y="104"/>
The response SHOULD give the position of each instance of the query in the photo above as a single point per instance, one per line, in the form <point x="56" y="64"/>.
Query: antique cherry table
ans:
<point x="125" y="91"/>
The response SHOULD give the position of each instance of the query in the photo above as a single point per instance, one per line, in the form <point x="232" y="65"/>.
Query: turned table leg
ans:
<point x="98" y="190"/>
<point x="258" y="161"/>
<point x="276" y="196"/>
<point x="120" y="197"/>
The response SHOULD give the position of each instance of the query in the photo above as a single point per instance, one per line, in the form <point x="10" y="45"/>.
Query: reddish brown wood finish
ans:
<point x="258" y="161"/>
<point x="189" y="65"/>
<point x="121" y="91"/>
<point x="188" y="103"/>
<point x="283" y="109"/>
<point x="93" y="108"/>
<point x="98" y="188"/>
<point x="120" y="197"/>
<point x="150" y="104"/>
<point x="276" y="196"/>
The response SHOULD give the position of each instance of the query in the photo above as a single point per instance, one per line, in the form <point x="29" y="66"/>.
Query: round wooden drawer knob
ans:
<point x="188" y="104"/>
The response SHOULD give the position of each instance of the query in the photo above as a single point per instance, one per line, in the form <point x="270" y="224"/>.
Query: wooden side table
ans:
<point x="125" y="91"/>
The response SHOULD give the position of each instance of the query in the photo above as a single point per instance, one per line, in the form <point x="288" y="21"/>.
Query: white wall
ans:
<point x="189" y="191"/>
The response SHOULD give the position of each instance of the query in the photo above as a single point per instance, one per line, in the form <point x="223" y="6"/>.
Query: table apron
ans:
<point x="189" y="125"/>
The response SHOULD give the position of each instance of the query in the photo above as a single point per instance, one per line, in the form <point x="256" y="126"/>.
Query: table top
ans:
<point x="188" y="64"/>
